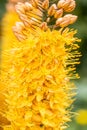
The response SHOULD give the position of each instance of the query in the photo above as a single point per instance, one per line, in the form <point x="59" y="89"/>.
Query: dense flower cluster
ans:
<point x="36" y="69"/>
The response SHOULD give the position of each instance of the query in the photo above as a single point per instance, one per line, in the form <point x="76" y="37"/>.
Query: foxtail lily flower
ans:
<point x="37" y="67"/>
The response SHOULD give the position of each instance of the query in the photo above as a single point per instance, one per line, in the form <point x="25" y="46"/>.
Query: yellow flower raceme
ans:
<point x="81" y="118"/>
<point x="38" y="91"/>
<point x="36" y="71"/>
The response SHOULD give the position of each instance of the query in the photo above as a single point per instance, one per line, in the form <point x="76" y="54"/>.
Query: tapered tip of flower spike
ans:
<point x="44" y="15"/>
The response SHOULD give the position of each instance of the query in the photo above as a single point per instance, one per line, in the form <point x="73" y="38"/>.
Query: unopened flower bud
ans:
<point x="45" y="4"/>
<point x="20" y="26"/>
<point x="58" y="13"/>
<point x="35" y="3"/>
<point x="23" y="17"/>
<point x="20" y="37"/>
<point x="52" y="10"/>
<point x="25" y="20"/>
<point x="58" y="21"/>
<point x="62" y="3"/>
<point x="67" y="5"/>
<point x="28" y="6"/>
<point x="44" y="26"/>
<point x="33" y="20"/>
<point x="72" y="18"/>
<point x="65" y="22"/>
<point x="20" y="8"/>
<point x="18" y="31"/>
<point x="71" y="7"/>
<point x="48" y="20"/>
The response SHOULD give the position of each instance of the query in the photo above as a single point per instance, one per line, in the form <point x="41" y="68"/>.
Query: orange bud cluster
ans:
<point x="58" y="10"/>
<point x="32" y="14"/>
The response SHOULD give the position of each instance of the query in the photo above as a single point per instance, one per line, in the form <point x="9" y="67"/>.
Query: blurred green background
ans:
<point x="81" y="26"/>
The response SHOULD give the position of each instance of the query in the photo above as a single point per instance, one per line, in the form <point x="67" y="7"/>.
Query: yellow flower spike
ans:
<point x="50" y="82"/>
<point x="36" y="70"/>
